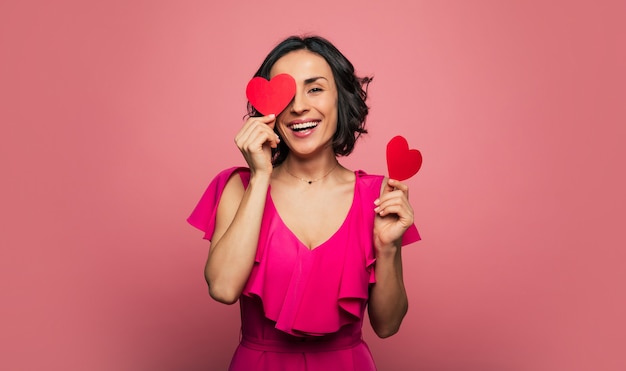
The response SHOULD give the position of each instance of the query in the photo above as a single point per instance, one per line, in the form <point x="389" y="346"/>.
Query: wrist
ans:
<point x="260" y="177"/>
<point x="389" y="250"/>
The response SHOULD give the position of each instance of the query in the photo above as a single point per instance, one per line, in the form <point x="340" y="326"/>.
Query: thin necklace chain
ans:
<point x="313" y="180"/>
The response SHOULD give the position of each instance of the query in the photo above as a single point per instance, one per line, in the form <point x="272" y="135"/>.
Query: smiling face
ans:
<point x="309" y="122"/>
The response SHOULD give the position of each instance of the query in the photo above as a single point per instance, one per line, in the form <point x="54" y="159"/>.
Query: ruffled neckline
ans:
<point x="270" y="203"/>
<point x="316" y="292"/>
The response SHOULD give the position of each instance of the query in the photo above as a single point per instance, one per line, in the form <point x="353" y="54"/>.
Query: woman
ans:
<point x="304" y="244"/>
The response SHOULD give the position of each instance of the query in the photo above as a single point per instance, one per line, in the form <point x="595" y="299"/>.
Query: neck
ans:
<point x="310" y="171"/>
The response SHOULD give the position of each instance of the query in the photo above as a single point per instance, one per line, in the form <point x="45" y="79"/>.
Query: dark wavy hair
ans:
<point x="351" y="92"/>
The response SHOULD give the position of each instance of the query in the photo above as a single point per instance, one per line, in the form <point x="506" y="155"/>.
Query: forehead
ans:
<point x="301" y="65"/>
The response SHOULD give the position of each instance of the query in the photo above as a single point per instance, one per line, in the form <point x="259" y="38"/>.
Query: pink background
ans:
<point x="116" y="114"/>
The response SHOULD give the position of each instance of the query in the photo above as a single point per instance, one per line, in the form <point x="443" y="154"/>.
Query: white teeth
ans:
<point x="304" y="125"/>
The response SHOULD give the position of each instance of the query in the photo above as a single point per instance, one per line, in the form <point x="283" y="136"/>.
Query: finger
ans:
<point x="257" y="131"/>
<point x="268" y="120"/>
<point x="397" y="185"/>
<point x="263" y="119"/>
<point x="262" y="131"/>
<point x="398" y="213"/>
<point x="392" y="184"/>
<point x="392" y="195"/>
<point x="388" y="187"/>
<point x="256" y="137"/>
<point x="399" y="210"/>
<point x="386" y="205"/>
<point x="393" y="199"/>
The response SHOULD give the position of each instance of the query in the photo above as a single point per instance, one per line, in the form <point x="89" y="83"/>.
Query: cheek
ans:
<point x="335" y="113"/>
<point x="331" y="107"/>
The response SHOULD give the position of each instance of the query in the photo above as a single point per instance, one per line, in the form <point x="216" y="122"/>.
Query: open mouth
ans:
<point x="303" y="126"/>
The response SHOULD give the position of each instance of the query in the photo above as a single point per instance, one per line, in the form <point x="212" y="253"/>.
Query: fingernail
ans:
<point x="377" y="201"/>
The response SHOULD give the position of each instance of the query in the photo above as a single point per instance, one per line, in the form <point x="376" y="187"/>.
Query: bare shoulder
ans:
<point x="234" y="188"/>
<point x="347" y="175"/>
<point x="346" y="179"/>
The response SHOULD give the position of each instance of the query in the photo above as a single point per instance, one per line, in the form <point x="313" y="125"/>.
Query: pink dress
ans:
<point x="303" y="309"/>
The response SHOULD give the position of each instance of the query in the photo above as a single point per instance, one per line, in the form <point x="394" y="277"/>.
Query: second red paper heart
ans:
<point x="402" y="162"/>
<point x="271" y="96"/>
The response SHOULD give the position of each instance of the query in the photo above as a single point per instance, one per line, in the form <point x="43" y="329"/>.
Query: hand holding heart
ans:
<point x="257" y="137"/>
<point x="394" y="215"/>
<point x="255" y="140"/>
<point x="393" y="209"/>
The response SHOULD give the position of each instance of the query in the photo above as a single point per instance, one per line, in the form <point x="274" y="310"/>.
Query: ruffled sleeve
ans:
<point x="371" y="185"/>
<point x="411" y="235"/>
<point x="203" y="215"/>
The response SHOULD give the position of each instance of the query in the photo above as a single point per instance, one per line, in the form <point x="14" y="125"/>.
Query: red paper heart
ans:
<point x="271" y="96"/>
<point x="402" y="162"/>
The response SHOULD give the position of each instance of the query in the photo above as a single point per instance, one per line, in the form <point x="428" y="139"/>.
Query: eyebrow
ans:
<point x="313" y="79"/>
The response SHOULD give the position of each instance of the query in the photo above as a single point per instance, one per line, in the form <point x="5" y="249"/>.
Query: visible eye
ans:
<point x="315" y="90"/>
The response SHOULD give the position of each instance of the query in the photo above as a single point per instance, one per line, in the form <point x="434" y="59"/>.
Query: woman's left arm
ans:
<point x="388" y="301"/>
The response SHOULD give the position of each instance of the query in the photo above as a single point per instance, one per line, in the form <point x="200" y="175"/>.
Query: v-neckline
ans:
<point x="332" y="235"/>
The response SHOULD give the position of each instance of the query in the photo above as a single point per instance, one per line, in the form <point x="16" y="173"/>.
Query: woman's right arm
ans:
<point x="239" y="214"/>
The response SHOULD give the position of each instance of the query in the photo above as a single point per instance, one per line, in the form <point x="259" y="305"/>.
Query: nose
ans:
<point x="299" y="104"/>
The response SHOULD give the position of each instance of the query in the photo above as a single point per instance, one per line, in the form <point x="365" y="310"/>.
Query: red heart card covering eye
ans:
<point x="402" y="162"/>
<point x="271" y="96"/>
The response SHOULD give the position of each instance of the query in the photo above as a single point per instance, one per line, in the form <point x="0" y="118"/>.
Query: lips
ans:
<point x="303" y="125"/>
